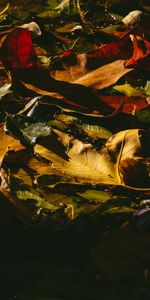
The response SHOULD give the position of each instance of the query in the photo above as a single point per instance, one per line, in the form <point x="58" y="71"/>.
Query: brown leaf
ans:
<point x="100" y="78"/>
<point x="104" y="76"/>
<point x="120" y="162"/>
<point x="8" y="143"/>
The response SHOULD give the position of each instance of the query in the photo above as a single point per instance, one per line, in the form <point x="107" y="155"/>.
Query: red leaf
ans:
<point x="111" y="51"/>
<point x="120" y="49"/>
<point x="17" y="51"/>
<point x="131" y="104"/>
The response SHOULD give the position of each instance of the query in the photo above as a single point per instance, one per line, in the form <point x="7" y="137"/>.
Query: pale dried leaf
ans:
<point x="100" y="78"/>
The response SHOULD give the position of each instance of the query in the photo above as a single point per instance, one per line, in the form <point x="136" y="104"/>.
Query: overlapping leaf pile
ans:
<point x="48" y="158"/>
<point x="64" y="143"/>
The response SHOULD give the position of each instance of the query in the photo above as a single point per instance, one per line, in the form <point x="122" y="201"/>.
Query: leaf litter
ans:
<point x="75" y="156"/>
<point x="82" y="150"/>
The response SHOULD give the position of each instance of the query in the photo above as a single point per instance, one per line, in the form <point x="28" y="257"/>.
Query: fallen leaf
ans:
<point x="71" y="27"/>
<point x="119" y="162"/>
<point x="95" y="195"/>
<point x="5" y="89"/>
<point x="17" y="50"/>
<point x="3" y="12"/>
<point x="131" y="104"/>
<point x="8" y="143"/>
<point x="132" y="18"/>
<point x="63" y="5"/>
<point x="51" y="94"/>
<point x="141" y="54"/>
<point x="129" y="90"/>
<point x="104" y="76"/>
<point x="33" y="195"/>
<point x="100" y="78"/>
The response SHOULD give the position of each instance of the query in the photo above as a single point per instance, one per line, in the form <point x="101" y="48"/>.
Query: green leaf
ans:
<point x="69" y="27"/>
<point x="147" y="88"/>
<point x="63" y="5"/>
<point x="129" y="90"/>
<point x="47" y="14"/>
<point x="95" y="195"/>
<point x="95" y="131"/>
<point x="64" y="122"/>
<point x="39" y="201"/>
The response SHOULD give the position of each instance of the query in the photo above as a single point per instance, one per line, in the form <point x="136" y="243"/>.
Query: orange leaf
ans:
<point x="141" y="54"/>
